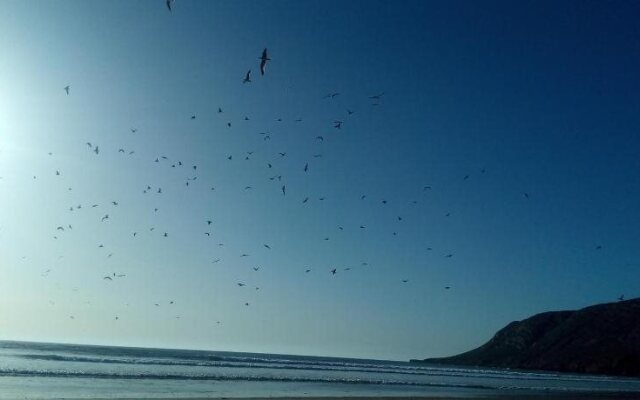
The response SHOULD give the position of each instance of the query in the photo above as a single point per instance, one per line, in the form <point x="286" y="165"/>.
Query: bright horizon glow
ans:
<point x="548" y="109"/>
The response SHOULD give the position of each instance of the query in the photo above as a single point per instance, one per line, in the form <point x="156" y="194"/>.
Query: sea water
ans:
<point x="53" y="371"/>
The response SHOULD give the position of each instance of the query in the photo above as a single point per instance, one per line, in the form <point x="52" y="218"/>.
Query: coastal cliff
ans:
<point x="600" y="339"/>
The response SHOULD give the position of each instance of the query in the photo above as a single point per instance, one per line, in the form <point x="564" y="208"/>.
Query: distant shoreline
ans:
<point x="555" y="396"/>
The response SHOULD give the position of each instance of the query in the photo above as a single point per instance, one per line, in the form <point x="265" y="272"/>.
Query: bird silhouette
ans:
<point x="247" y="77"/>
<point x="66" y="89"/>
<point x="263" y="61"/>
<point x="169" y="3"/>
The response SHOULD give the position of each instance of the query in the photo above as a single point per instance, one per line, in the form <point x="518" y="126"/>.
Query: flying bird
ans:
<point x="247" y="77"/>
<point x="66" y="89"/>
<point x="263" y="61"/>
<point x="333" y="271"/>
<point x="169" y="2"/>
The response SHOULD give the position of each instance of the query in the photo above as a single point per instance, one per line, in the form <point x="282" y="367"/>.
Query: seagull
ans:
<point x="331" y="95"/>
<point x="256" y="268"/>
<point x="337" y="124"/>
<point x="284" y="190"/>
<point x="307" y="271"/>
<point x="247" y="77"/>
<point x="333" y="271"/>
<point x="263" y="61"/>
<point x="267" y="246"/>
<point x="96" y="150"/>
<point x="193" y="117"/>
<point x="169" y="2"/>
<point x="405" y="280"/>
<point x="217" y="260"/>
<point x="320" y="138"/>
<point x="305" y="200"/>
<point x="66" y="89"/>
<point x="598" y="247"/>
<point x="107" y="278"/>
<point x="350" y="112"/>
<point x="526" y="195"/>
<point x="209" y="222"/>
<point x="449" y="256"/>
<point x="377" y="96"/>
<point x="241" y="284"/>
<point x="306" y="167"/>
<point x="134" y="130"/>
<point x="447" y="287"/>
<point x="106" y="216"/>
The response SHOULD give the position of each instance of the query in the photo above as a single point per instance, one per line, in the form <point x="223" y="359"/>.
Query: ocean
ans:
<point x="55" y="371"/>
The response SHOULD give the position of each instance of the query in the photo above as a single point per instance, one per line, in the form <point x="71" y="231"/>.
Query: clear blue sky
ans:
<point x="544" y="97"/>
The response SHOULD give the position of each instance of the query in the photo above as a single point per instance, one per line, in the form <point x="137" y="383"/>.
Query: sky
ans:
<point x="521" y="119"/>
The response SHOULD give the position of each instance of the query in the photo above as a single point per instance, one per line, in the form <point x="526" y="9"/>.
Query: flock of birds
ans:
<point x="374" y="99"/>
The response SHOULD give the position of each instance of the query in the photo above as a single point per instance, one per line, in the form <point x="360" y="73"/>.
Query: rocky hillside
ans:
<point x="601" y="339"/>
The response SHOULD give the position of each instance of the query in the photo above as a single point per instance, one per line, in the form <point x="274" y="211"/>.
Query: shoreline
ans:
<point x="510" y="396"/>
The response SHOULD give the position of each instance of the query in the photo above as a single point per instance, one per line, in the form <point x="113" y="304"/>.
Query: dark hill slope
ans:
<point x="600" y="339"/>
